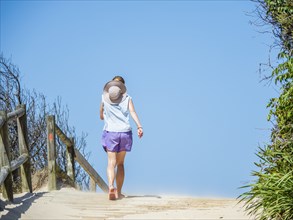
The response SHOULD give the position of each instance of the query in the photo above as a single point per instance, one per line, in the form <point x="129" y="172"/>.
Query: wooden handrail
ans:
<point x="72" y="155"/>
<point x="62" y="136"/>
<point x="16" y="114"/>
<point x="91" y="171"/>
<point x="15" y="164"/>
<point x="4" y="173"/>
<point x="5" y="158"/>
<point x="22" y="161"/>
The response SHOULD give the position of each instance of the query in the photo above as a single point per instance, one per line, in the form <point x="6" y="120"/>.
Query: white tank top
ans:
<point x="116" y="116"/>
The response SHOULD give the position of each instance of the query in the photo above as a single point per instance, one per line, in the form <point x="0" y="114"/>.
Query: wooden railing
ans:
<point x="72" y="155"/>
<point x="23" y="161"/>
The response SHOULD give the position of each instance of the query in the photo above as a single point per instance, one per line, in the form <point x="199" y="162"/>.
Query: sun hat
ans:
<point x="114" y="92"/>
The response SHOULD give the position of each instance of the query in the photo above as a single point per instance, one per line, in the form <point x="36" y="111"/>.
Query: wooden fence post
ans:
<point x="5" y="158"/>
<point x="70" y="160"/>
<point x="25" y="169"/>
<point x="51" y="146"/>
<point x="92" y="185"/>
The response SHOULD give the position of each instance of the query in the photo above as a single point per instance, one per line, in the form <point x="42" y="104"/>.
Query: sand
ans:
<point x="69" y="203"/>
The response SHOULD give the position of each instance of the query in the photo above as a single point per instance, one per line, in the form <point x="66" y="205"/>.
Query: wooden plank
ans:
<point x="3" y="174"/>
<point x="69" y="142"/>
<point x="25" y="169"/>
<point x="62" y="136"/>
<point x="5" y="158"/>
<point x="70" y="160"/>
<point x="17" y="113"/>
<point x="15" y="164"/>
<point x="51" y="145"/>
<point x="2" y="121"/>
<point x="90" y="170"/>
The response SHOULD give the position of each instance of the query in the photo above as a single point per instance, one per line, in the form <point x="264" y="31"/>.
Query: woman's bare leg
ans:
<point x="120" y="171"/>
<point x="111" y="168"/>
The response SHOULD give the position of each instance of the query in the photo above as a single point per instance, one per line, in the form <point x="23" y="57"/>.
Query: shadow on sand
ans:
<point x="142" y="196"/>
<point x="13" y="210"/>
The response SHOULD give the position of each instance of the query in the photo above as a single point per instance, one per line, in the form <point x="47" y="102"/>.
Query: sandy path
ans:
<point x="72" y="204"/>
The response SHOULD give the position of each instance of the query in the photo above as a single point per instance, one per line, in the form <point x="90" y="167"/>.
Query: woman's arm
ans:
<point x="135" y="118"/>
<point x="102" y="111"/>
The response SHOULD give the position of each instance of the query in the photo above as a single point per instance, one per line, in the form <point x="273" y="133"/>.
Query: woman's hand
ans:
<point x="139" y="132"/>
<point x="135" y="118"/>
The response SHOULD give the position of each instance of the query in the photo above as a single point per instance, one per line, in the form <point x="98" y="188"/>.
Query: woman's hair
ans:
<point x="119" y="78"/>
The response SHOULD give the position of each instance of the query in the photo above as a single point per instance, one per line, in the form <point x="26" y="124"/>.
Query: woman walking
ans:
<point x="116" y="106"/>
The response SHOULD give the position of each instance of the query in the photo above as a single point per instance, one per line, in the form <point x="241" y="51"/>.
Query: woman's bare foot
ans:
<point x="121" y="196"/>
<point x="112" y="194"/>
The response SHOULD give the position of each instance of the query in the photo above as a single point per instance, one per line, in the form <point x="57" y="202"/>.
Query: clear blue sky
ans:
<point x="190" y="66"/>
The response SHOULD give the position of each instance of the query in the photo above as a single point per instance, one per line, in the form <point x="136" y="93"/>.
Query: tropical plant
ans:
<point x="270" y="195"/>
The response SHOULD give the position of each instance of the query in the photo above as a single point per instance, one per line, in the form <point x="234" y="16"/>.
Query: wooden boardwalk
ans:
<point x="69" y="203"/>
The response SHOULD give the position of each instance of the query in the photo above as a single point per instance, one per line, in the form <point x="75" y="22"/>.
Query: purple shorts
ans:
<point x="117" y="141"/>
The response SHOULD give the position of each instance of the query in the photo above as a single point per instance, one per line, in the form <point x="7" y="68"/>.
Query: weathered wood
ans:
<point x="25" y="169"/>
<point x="91" y="171"/>
<point x="70" y="160"/>
<point x="92" y="185"/>
<point x="62" y="136"/>
<point x="17" y="113"/>
<point x="51" y="145"/>
<point x="3" y="174"/>
<point x="2" y="121"/>
<point x="15" y="164"/>
<point x="5" y="158"/>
